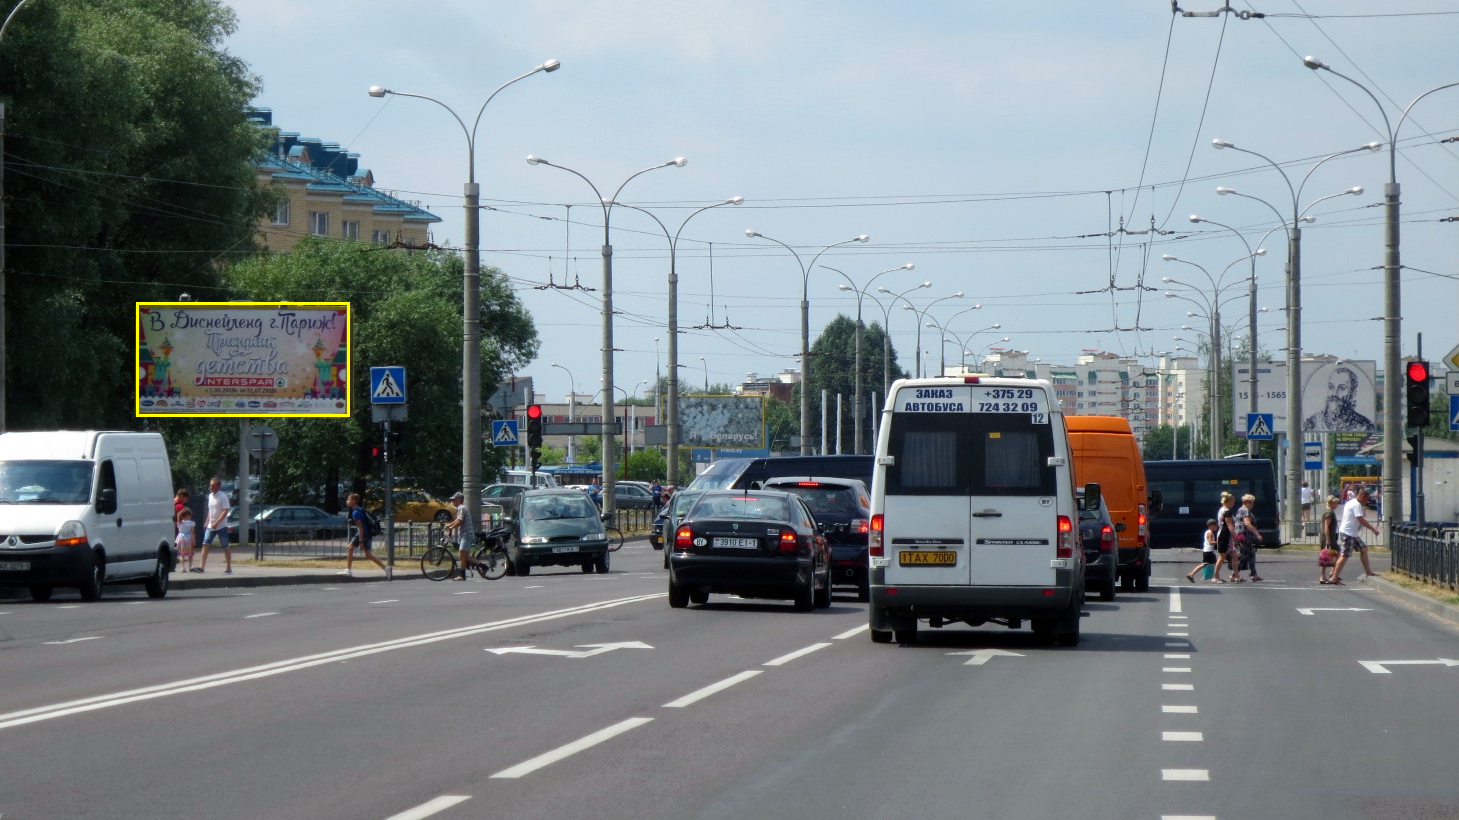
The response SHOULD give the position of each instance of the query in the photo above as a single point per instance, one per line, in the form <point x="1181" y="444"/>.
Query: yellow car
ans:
<point x="416" y="505"/>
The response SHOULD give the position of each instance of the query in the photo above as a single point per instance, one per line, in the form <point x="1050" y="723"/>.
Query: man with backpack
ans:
<point x="365" y="528"/>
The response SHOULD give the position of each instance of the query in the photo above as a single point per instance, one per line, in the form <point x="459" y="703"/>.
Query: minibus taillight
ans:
<point x="1066" y="540"/>
<point x="874" y="538"/>
<point x="1143" y="527"/>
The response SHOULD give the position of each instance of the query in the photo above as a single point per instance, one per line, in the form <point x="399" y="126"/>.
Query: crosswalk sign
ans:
<point x="1454" y="412"/>
<point x="1259" y="426"/>
<point x="387" y="385"/>
<point x="504" y="433"/>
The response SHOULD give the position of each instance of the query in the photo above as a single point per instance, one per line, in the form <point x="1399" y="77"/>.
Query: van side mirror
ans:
<point x="1091" y="496"/>
<point x="1157" y="500"/>
<point x="106" y="501"/>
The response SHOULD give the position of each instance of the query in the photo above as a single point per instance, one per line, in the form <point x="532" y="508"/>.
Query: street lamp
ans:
<point x="1294" y="307"/>
<point x="470" y="297"/>
<point x="805" y="329"/>
<point x="706" y="374"/>
<point x="921" y="318"/>
<point x="572" y="450"/>
<point x="944" y="328"/>
<point x="1392" y="305"/>
<point x="886" y="336"/>
<point x="856" y="445"/>
<point x="988" y="348"/>
<point x="609" y="457"/>
<point x="671" y="409"/>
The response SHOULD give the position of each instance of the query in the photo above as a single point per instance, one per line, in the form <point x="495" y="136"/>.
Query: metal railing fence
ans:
<point x="1427" y="553"/>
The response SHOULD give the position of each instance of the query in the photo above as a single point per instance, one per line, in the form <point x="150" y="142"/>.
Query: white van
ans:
<point x="536" y="481"/>
<point x="85" y="508"/>
<point x="973" y="513"/>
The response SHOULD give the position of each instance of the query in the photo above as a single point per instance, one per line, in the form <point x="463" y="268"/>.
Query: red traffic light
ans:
<point x="534" y="411"/>
<point x="1418" y="371"/>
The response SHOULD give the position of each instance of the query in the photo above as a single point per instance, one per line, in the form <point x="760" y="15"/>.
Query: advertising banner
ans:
<point x="243" y="359"/>
<point x="1338" y="396"/>
<point x="722" y="421"/>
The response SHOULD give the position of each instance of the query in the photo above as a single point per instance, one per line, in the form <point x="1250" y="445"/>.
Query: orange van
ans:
<point x="1106" y="453"/>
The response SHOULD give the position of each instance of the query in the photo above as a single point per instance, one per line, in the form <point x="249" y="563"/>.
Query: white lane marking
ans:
<point x="1183" y="737"/>
<point x="1179" y="617"/>
<point x="1377" y="667"/>
<point x="1178" y="644"/>
<point x="1328" y="609"/>
<point x="468" y="592"/>
<point x="73" y="640"/>
<point x="246" y="594"/>
<point x="1177" y="634"/>
<point x="1187" y="817"/>
<point x="69" y="606"/>
<point x="981" y="656"/>
<point x="1175" y="600"/>
<point x="387" y="601"/>
<point x="1170" y="709"/>
<point x="259" y="615"/>
<point x="563" y="752"/>
<point x="72" y="707"/>
<point x="1177" y="656"/>
<point x="430" y="807"/>
<point x="1177" y="669"/>
<point x="850" y="633"/>
<point x="124" y="603"/>
<point x="701" y="694"/>
<point x="586" y="650"/>
<point x="1185" y="774"/>
<point x="784" y="659"/>
<point x="1178" y="687"/>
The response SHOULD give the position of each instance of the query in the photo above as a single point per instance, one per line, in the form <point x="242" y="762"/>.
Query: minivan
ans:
<point x="1191" y="491"/>
<point x="752" y="473"/>
<point x="1106" y="453"/>
<point x="973" y="515"/>
<point x="83" y="509"/>
<point x="537" y="481"/>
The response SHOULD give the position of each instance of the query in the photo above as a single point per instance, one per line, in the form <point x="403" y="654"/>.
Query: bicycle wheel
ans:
<point x="438" y="564"/>
<point x="493" y="562"/>
<point x="615" y="539"/>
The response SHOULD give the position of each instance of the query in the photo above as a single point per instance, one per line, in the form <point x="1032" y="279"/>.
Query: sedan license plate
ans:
<point x="920" y="559"/>
<point x="14" y="566"/>
<point x="564" y="549"/>
<point x="736" y="543"/>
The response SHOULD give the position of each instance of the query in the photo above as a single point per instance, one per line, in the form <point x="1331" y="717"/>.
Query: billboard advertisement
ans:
<point x="722" y="421"/>
<point x="1338" y="395"/>
<point x="243" y="359"/>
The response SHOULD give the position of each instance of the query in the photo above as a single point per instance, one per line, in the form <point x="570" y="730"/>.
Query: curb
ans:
<point x="221" y="581"/>
<point x="1417" y="600"/>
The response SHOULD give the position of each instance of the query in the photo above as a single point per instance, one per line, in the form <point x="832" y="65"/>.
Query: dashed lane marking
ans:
<point x="1172" y="709"/>
<point x="563" y="752"/>
<point x="1182" y="737"/>
<point x="1188" y="775"/>
<point x="430" y="807"/>
<point x="701" y="694"/>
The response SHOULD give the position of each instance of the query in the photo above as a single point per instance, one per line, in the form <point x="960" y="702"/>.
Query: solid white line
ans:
<point x="1177" y="656"/>
<point x="1176" y="669"/>
<point x="430" y="807"/>
<point x="1178" y="710"/>
<point x="468" y="592"/>
<point x="1179" y="617"/>
<point x="39" y="713"/>
<point x="850" y="633"/>
<point x="1178" y="687"/>
<point x="387" y="601"/>
<point x="1185" y="774"/>
<point x="784" y="659"/>
<point x="563" y="752"/>
<point x="711" y="689"/>
<point x="1177" y="634"/>
<point x="1187" y="737"/>
<point x="1175" y="600"/>
<point x="259" y="615"/>
<point x="73" y="640"/>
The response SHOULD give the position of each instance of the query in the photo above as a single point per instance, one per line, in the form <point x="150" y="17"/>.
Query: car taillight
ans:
<point x="1143" y="527"/>
<point x="1107" y="538"/>
<point x="874" y="537"/>
<point x="1066" y="542"/>
<point x="789" y="541"/>
<point x="683" y="539"/>
<point x="860" y="526"/>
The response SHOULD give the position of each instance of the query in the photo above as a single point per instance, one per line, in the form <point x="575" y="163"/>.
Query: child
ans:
<point x="1208" y="552"/>
<point x="185" y="538"/>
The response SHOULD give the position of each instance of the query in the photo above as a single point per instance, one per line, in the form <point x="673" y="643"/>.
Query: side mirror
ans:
<point x="106" y="501"/>
<point x="1091" y="496"/>
<point x="1157" y="500"/>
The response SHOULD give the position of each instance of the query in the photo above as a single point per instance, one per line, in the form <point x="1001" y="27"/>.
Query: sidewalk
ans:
<point x="248" y="574"/>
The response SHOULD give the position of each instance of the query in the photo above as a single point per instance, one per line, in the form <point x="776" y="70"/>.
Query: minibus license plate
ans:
<point x="14" y="566"/>
<point x="736" y="543"/>
<point x="913" y="559"/>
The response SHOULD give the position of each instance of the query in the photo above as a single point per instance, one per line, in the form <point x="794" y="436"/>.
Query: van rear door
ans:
<point x="968" y="494"/>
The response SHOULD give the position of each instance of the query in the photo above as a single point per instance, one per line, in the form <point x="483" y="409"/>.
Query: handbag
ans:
<point x="1326" y="558"/>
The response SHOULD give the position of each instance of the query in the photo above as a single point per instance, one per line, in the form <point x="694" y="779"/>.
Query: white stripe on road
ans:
<point x="387" y="601"/>
<point x="72" y="707"/>
<point x="1177" y="687"/>
<point x="431" y="807"/>
<point x="1175" y="600"/>
<point x="851" y="633"/>
<point x="1185" y="774"/>
<point x="784" y="659"/>
<point x="711" y="689"/>
<point x="563" y="752"/>
<point x="1178" y="710"/>
<point x="1177" y="656"/>
<point x="259" y="615"/>
<point x="1176" y="669"/>
<point x="1184" y="737"/>
<point x="74" y="640"/>
<point x="468" y="592"/>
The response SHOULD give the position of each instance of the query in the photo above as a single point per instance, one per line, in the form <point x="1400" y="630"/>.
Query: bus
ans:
<point x="1191" y="491"/>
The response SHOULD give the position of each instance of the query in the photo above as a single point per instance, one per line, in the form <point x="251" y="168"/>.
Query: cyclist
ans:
<point x="460" y="527"/>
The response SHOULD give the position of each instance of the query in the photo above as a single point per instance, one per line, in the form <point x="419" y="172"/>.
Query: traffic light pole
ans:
<point x="389" y="502"/>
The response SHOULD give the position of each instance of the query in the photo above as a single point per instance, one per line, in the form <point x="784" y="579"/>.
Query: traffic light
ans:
<point x="397" y="451"/>
<point x="534" y="436"/>
<point x="377" y="453"/>
<point x="1412" y="454"/>
<point x="1417" y="376"/>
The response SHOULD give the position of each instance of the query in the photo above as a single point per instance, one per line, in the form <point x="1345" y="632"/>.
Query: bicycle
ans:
<point x="489" y="558"/>
<point x="615" y="535"/>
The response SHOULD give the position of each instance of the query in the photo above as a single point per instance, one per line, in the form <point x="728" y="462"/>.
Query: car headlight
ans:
<point x="534" y="539"/>
<point x="598" y="536"/>
<point x="71" y="534"/>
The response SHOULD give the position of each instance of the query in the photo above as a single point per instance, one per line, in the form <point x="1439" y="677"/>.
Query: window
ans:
<point x="319" y="223"/>
<point x="351" y="230"/>
<point x="281" y="213"/>
<point x="380" y="237"/>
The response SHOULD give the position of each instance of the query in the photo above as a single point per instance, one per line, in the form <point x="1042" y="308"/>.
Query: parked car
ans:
<point x="414" y="505"/>
<point x="558" y="527"/>
<point x="503" y="494"/>
<point x="667" y="521"/>
<point x="750" y="543"/>
<point x="631" y="496"/>
<point x="843" y="507"/>
<point x="1099" y="535"/>
<point x="289" y="524"/>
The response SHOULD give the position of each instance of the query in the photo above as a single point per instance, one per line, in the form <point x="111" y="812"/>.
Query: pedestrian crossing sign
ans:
<point x="504" y="433"/>
<point x="387" y="385"/>
<point x="1259" y="426"/>
<point x="1454" y="412"/>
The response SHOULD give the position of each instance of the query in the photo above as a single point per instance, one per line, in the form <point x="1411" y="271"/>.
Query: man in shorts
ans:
<point x="1353" y="523"/>
<point x="216" y="526"/>
<point x="361" y="539"/>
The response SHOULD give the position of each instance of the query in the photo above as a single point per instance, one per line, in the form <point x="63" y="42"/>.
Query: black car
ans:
<point x="290" y="524"/>
<point x="750" y="543"/>
<point x="843" y="507"/>
<point x="667" y="521"/>
<point x="559" y="527"/>
<point x="504" y="495"/>
<point x="632" y="497"/>
<point x="1101" y="552"/>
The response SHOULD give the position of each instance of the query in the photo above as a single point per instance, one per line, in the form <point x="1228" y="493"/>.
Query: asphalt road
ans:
<point x="564" y="695"/>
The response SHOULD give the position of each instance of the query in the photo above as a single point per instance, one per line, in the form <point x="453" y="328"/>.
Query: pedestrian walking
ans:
<point x="1208" y="551"/>
<point x="1248" y="535"/>
<point x="1328" y="541"/>
<point x="1225" y="546"/>
<point x="460" y="528"/>
<point x="658" y="493"/>
<point x="1354" y="521"/>
<point x="186" y="538"/>
<point x="179" y="503"/>
<point x="215" y="526"/>
<point x="1308" y="497"/>
<point x="360" y="539"/>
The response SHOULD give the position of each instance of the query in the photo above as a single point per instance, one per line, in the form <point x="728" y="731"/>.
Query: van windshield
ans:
<point x="45" y="482"/>
<point x="970" y="454"/>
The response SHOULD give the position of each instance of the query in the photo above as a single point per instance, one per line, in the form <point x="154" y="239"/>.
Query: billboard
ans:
<point x="1338" y="396"/>
<point x="243" y="359"/>
<point x="722" y="421"/>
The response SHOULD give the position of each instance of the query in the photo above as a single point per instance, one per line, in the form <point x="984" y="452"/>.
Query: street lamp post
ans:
<point x="964" y="341"/>
<point x="706" y="374"/>
<point x="856" y="402"/>
<point x="886" y="335"/>
<point x="572" y="451"/>
<point x="988" y="348"/>
<point x="470" y="297"/>
<point x="805" y="329"/>
<point x="609" y="457"/>
<point x="921" y="318"/>
<point x="1392" y="305"/>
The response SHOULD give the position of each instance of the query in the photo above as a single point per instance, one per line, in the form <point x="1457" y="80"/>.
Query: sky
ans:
<point x="1039" y="159"/>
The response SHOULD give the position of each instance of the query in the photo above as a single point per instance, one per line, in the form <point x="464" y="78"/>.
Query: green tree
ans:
<point x="130" y="177"/>
<point x="833" y="368"/>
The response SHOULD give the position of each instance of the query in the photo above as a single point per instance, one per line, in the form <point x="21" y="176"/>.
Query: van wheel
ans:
<point x="1107" y="591"/>
<point x="40" y="594"/>
<point x="880" y="636"/>
<point x="602" y="564"/>
<point x="90" y="586"/>
<point x="1142" y="584"/>
<point x="156" y="583"/>
<point x="1127" y="581"/>
<point x="905" y="636"/>
<point x="863" y="593"/>
<point x="1068" y="624"/>
<point x="699" y="596"/>
<point x="678" y="596"/>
